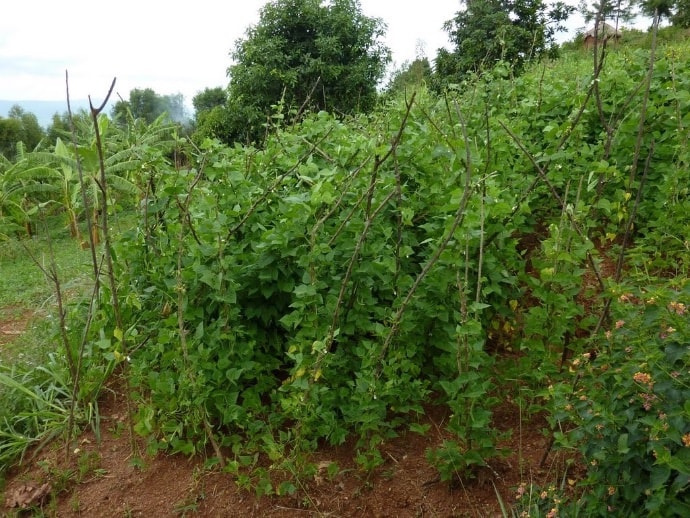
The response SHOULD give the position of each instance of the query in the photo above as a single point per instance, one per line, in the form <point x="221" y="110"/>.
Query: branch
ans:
<point x="459" y="217"/>
<point x="84" y="197"/>
<point x="275" y="184"/>
<point x="371" y="216"/>
<point x="556" y="196"/>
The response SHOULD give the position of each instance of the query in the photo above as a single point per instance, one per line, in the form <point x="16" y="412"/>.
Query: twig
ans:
<point x="557" y="197"/>
<point x="84" y="197"/>
<point x="275" y="184"/>
<point x="343" y="193"/>
<point x="371" y="216"/>
<point x="95" y="112"/>
<point x="459" y="217"/>
<point x="51" y="274"/>
<point x="306" y="101"/>
<point x="107" y="250"/>
<point x="350" y="267"/>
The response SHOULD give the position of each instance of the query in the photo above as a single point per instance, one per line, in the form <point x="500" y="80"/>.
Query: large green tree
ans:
<point x="19" y="126"/>
<point x="486" y="31"/>
<point x="211" y="115"/>
<point x="307" y="54"/>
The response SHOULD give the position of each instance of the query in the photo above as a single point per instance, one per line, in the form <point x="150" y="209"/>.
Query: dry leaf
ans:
<point x="27" y="496"/>
<point x="321" y="467"/>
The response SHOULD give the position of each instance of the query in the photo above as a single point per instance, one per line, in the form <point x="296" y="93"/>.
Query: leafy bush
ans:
<point x="629" y="415"/>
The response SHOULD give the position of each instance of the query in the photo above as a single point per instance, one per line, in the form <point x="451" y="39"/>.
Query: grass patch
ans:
<point x="34" y="381"/>
<point x="23" y="284"/>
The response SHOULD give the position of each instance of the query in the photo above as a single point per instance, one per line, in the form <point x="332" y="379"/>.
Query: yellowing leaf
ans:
<point x="547" y="273"/>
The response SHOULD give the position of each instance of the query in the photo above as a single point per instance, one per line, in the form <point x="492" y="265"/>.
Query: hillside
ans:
<point x="454" y="305"/>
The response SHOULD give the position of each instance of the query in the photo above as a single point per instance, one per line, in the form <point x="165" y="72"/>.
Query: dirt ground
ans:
<point x="13" y="321"/>
<point x="100" y="479"/>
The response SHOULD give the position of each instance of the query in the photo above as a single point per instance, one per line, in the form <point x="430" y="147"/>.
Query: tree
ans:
<point x="59" y="127"/>
<point x="614" y="10"/>
<point x="19" y="126"/>
<point x="10" y="134"/>
<point x="661" y="8"/>
<point x="676" y="11"/>
<point x="307" y="55"/>
<point x="209" y="99"/>
<point x="487" y="31"/>
<point x="410" y="75"/>
<point x="681" y="16"/>
<point x="219" y="123"/>
<point x="211" y="115"/>
<point x="146" y="104"/>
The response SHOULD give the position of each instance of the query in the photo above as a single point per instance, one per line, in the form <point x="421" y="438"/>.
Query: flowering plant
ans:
<point x="629" y="413"/>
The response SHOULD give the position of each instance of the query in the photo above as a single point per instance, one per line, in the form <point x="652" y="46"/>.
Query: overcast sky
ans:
<point x="172" y="47"/>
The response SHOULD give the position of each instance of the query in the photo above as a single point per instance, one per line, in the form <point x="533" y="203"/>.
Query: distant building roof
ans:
<point x="603" y="29"/>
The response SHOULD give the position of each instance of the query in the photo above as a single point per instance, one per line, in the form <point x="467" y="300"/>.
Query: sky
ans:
<point x="171" y="47"/>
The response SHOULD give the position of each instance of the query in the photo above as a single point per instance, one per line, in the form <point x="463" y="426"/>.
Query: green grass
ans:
<point x="34" y="383"/>
<point x="23" y="284"/>
<point x="27" y="296"/>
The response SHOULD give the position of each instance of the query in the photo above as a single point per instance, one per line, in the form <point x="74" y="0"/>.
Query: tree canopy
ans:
<point x="486" y="31"/>
<point x="19" y="126"/>
<point x="209" y="99"/>
<point x="614" y="10"/>
<point x="410" y="75"/>
<point x="146" y="104"/>
<point x="309" y="55"/>
<point x="681" y="16"/>
<point x="676" y="11"/>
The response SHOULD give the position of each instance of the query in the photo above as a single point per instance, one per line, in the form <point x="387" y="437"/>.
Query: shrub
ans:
<point x="630" y="411"/>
